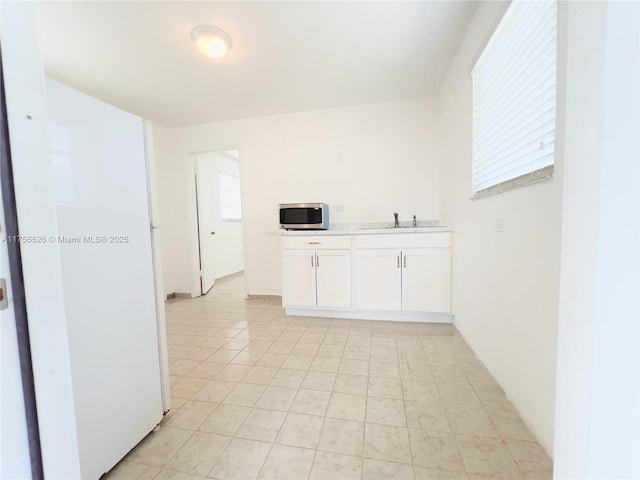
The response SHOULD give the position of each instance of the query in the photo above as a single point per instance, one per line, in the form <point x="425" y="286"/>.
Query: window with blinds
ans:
<point x="514" y="100"/>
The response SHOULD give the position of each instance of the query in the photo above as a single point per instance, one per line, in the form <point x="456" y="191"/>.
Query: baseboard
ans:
<point x="178" y="295"/>
<point x="388" y="316"/>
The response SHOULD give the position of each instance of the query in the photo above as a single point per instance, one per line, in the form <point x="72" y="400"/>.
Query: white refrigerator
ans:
<point x="102" y="170"/>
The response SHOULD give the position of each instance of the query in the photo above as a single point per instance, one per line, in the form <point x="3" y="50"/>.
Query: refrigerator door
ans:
<point x="100" y="179"/>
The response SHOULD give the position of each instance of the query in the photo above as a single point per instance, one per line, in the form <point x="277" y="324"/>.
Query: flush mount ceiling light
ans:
<point x="211" y="41"/>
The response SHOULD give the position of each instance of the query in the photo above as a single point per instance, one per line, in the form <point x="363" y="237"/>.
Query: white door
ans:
<point x="378" y="279"/>
<point x="14" y="449"/>
<point x="298" y="278"/>
<point x="333" y="275"/>
<point x="426" y="280"/>
<point x="208" y="219"/>
<point x="100" y="179"/>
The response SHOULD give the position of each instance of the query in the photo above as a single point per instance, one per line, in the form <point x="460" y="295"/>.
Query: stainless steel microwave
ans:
<point x="304" y="216"/>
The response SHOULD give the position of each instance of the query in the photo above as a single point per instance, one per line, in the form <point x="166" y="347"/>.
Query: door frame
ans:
<point x="194" y="236"/>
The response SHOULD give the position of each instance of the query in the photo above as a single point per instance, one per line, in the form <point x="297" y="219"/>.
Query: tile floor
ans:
<point x="257" y="394"/>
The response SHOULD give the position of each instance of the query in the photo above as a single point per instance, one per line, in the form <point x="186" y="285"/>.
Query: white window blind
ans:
<point x="230" y="203"/>
<point x="514" y="100"/>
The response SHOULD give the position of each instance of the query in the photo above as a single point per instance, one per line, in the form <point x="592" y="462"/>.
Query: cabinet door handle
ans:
<point x="398" y="261"/>
<point x="405" y="261"/>
<point x="312" y="260"/>
<point x="317" y="261"/>
<point x="315" y="243"/>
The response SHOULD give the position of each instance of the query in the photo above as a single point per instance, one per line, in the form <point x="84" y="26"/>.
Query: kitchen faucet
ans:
<point x="396" y="223"/>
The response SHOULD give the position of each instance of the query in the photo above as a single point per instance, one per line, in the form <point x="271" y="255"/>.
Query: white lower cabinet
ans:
<point x="314" y="276"/>
<point x="416" y="280"/>
<point x="378" y="280"/>
<point x="426" y="280"/>
<point x="409" y="274"/>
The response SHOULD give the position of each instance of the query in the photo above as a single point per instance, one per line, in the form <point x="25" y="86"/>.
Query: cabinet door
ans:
<point x="378" y="283"/>
<point x="426" y="280"/>
<point x="333" y="275"/>
<point x="298" y="278"/>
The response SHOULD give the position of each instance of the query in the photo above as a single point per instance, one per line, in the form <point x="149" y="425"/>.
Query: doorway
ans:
<point x="219" y="227"/>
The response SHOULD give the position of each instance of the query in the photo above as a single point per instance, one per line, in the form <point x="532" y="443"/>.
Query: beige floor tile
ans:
<point x="242" y="459"/>
<point x="191" y="415"/>
<point x="529" y="456"/>
<point x="288" y="378"/>
<point x="329" y="350"/>
<point x="332" y="466"/>
<point x="386" y="442"/>
<point x="215" y="342"/>
<point x="383" y="354"/>
<point x="384" y="369"/>
<point x="226" y="420"/>
<point x="223" y="356"/>
<point x="274" y="360"/>
<point x="187" y="387"/>
<point x="323" y="381"/>
<point x="199" y="454"/>
<point x="538" y="475"/>
<point x="305" y="349"/>
<point x="311" y="402"/>
<point x="431" y="417"/>
<point x="358" y="338"/>
<point x="298" y="362"/>
<point x="260" y="375"/>
<point x="133" y="471"/>
<point x="342" y="436"/>
<point x="435" y="450"/>
<point x="159" y="446"/>
<point x="470" y="420"/>
<point x="385" y="388"/>
<point x="352" y="366"/>
<point x="245" y="394"/>
<point x="200" y="353"/>
<point x="232" y="373"/>
<point x="206" y="370"/>
<point x="335" y="339"/>
<point x="247" y="357"/>
<point x="430" y="473"/>
<point x="277" y="398"/>
<point x="353" y="384"/>
<point x="312" y="338"/>
<point x="325" y="364"/>
<point x="487" y="456"/>
<point x="347" y="407"/>
<point x="287" y="463"/>
<point x="420" y="391"/>
<point x="300" y="430"/>
<point x="214" y="391"/>
<point x="171" y="474"/>
<point x="182" y="366"/>
<point x="262" y="425"/>
<point x="383" y="470"/>
<point x="510" y="426"/>
<point x="388" y="411"/>
<point x="357" y="353"/>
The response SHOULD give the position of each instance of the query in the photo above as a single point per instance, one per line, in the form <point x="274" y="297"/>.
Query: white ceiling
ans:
<point x="286" y="56"/>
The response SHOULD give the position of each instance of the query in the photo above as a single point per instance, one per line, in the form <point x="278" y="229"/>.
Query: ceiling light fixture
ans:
<point x="211" y="41"/>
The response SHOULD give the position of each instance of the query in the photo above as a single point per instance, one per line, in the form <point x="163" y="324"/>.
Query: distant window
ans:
<point x="514" y="100"/>
<point x="230" y="207"/>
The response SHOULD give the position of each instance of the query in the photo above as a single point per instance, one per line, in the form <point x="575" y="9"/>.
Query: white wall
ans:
<point x="372" y="159"/>
<point x="505" y="284"/>
<point x="597" y="413"/>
